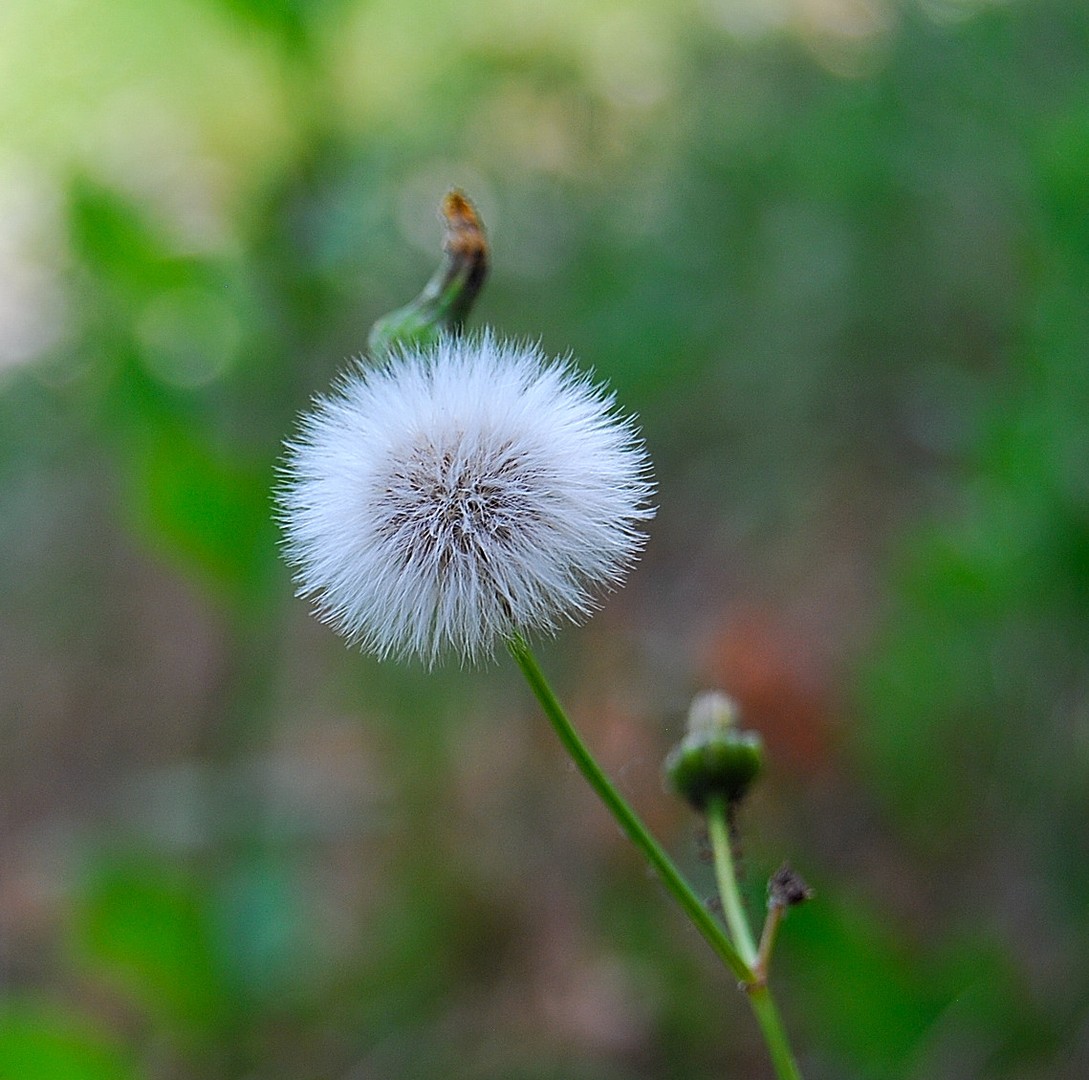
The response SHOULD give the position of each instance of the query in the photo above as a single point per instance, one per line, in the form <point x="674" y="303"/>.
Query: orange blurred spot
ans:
<point x="464" y="238"/>
<point x="779" y="678"/>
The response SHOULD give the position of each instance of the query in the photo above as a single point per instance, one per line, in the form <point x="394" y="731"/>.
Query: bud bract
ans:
<point x="715" y="757"/>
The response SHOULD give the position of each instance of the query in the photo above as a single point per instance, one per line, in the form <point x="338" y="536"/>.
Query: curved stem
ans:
<point x="636" y="831"/>
<point x="732" y="908"/>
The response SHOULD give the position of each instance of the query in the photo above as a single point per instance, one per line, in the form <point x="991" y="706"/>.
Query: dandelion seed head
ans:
<point x="456" y="495"/>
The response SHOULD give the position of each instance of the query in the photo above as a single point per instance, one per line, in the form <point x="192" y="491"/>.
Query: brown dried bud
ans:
<point x="786" y="888"/>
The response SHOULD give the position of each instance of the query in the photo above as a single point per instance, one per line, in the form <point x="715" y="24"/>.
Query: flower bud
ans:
<point x="715" y="757"/>
<point x="447" y="297"/>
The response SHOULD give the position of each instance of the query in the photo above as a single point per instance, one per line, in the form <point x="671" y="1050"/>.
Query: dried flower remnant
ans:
<point x="787" y="888"/>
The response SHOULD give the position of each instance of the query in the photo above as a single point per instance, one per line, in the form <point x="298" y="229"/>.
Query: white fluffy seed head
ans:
<point x="454" y="496"/>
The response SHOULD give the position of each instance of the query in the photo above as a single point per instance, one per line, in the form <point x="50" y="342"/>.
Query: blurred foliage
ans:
<point x="40" y="1044"/>
<point x="834" y="254"/>
<point x="152" y="933"/>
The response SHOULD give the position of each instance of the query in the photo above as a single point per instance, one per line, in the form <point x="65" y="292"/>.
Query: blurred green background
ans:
<point x="834" y="253"/>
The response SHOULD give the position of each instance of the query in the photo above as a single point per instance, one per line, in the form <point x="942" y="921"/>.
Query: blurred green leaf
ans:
<point x="209" y="514"/>
<point x="148" y="928"/>
<point x="41" y="1043"/>
<point x="289" y="21"/>
<point x="867" y="992"/>
<point x="111" y="237"/>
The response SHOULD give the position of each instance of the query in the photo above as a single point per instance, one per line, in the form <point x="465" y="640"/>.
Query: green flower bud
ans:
<point x="715" y="757"/>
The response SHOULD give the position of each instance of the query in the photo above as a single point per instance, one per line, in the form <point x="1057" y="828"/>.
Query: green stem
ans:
<point x="634" y="828"/>
<point x="729" y="894"/>
<point x="771" y="1024"/>
<point x="763" y="1005"/>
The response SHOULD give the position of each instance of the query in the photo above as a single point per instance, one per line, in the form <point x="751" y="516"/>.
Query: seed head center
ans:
<point x="448" y="501"/>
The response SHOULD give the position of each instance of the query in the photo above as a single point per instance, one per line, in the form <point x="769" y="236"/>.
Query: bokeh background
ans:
<point x="834" y="253"/>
